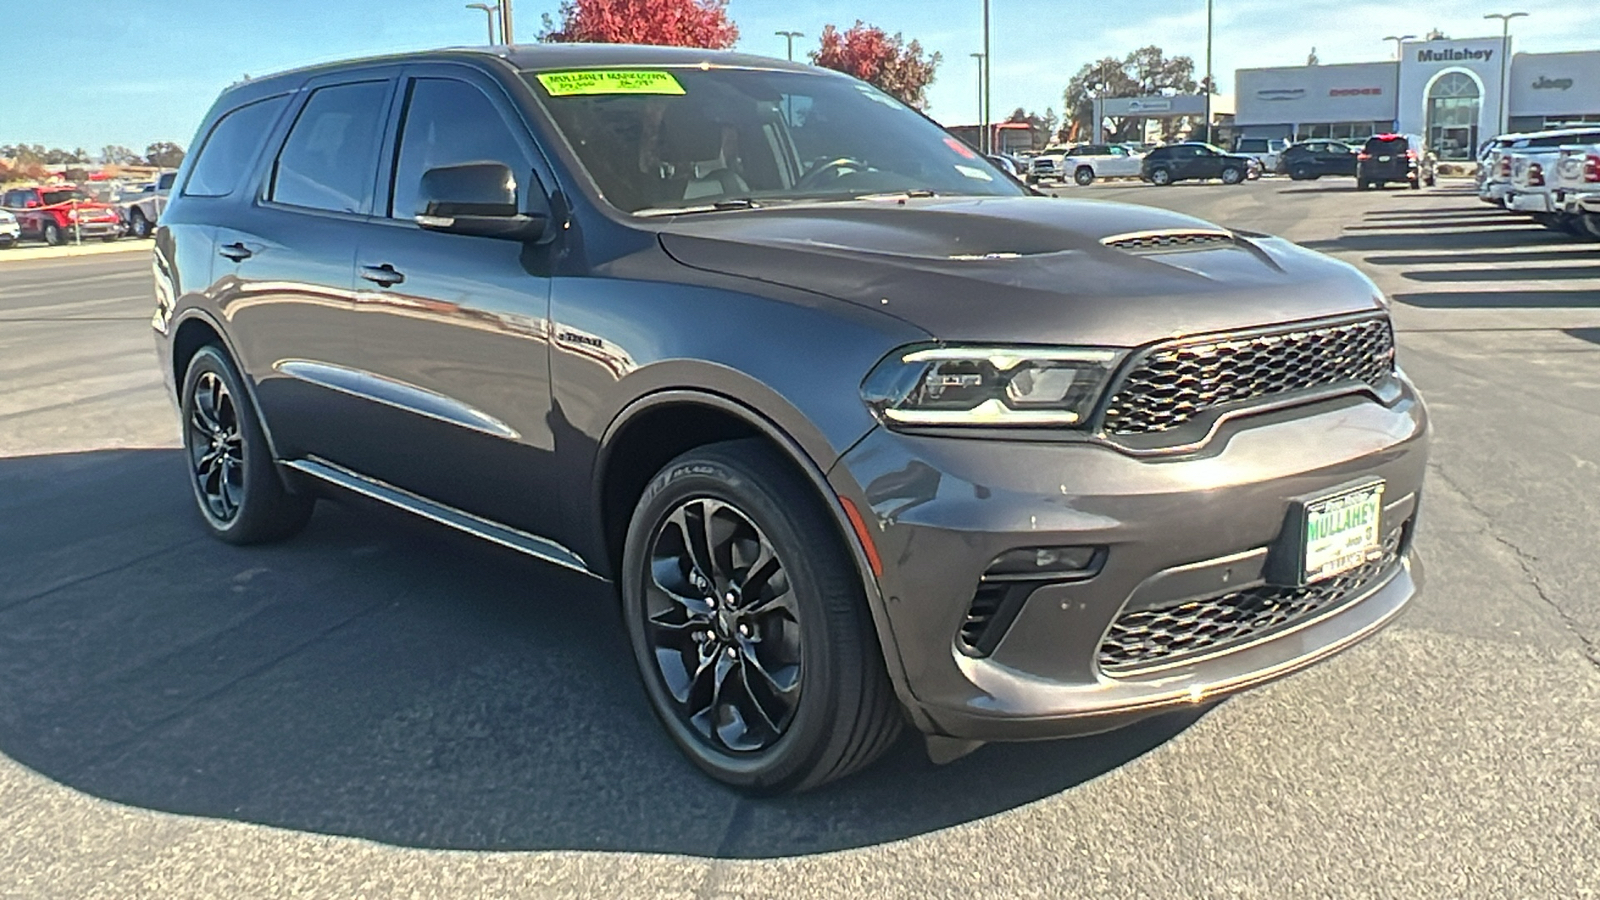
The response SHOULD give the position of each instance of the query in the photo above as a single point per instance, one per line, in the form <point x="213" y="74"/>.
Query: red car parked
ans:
<point x="59" y="213"/>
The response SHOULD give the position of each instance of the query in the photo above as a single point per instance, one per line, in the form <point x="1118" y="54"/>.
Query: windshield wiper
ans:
<point x="718" y="206"/>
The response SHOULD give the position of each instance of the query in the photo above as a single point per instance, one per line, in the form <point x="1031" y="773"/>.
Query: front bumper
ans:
<point x="93" y="229"/>
<point x="10" y="230"/>
<point x="945" y="508"/>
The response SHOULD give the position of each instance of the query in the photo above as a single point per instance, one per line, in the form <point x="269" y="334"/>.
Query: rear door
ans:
<point x="284" y="273"/>
<point x="455" y="327"/>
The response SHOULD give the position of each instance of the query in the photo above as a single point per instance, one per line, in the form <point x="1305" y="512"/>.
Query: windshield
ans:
<point x="665" y="139"/>
<point x="51" y="198"/>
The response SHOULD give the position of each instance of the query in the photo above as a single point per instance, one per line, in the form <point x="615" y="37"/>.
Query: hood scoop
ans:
<point x="1168" y="241"/>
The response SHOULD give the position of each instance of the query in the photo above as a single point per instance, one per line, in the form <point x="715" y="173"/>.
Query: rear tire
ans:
<point x="236" y="483"/>
<point x="138" y="225"/>
<point x="766" y="670"/>
<point x="1084" y="176"/>
<point x="53" y="234"/>
<point x="1160" y="177"/>
<point x="1300" y="173"/>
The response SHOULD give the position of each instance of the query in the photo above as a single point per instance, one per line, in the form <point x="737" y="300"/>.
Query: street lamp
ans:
<point x="1398" y="40"/>
<point x="983" y="65"/>
<point x="489" y="12"/>
<point x="983" y="123"/>
<point x="789" y="37"/>
<point x="1505" y="62"/>
<point x="1211" y="82"/>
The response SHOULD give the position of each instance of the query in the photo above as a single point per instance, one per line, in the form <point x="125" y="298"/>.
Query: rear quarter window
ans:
<point x="230" y="148"/>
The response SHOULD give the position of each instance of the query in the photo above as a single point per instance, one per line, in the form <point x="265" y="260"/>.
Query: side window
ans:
<point x="167" y="178"/>
<point x="330" y="159"/>
<point x="228" y="150"/>
<point x="448" y="123"/>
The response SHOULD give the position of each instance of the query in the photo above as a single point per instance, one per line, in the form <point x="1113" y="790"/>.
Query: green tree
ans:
<point x="165" y="154"/>
<point x="118" y="155"/>
<point x="1147" y="71"/>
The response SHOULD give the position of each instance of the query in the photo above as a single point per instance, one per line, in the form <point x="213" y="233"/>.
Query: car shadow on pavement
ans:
<point x="1484" y="239"/>
<point x="1578" y="299"/>
<point x="384" y="678"/>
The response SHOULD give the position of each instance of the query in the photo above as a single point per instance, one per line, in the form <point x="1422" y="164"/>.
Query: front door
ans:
<point x="454" y="327"/>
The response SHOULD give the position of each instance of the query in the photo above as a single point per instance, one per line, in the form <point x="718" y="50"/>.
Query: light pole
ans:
<point x="1398" y="40"/>
<point x="489" y="12"/>
<point x="505" y="23"/>
<point x="982" y="125"/>
<point x="1505" y="63"/>
<point x="789" y="37"/>
<point x="1210" y="80"/>
<point x="983" y="64"/>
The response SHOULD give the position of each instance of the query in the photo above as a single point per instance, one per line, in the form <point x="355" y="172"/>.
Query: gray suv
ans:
<point x="863" y="433"/>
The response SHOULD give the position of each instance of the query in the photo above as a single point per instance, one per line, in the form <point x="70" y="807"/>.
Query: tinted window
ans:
<point x="331" y="156"/>
<point x="658" y="139"/>
<point x="448" y="123"/>
<point x="229" y="149"/>
<point x="51" y="198"/>
<point x="1385" y="145"/>
<point x="1252" y="146"/>
<point x="165" y="184"/>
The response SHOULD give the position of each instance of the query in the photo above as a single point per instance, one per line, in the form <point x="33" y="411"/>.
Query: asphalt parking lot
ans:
<point x="379" y="708"/>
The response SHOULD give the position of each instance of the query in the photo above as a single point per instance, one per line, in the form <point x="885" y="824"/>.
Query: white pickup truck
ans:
<point x="1575" y="187"/>
<point x="1497" y="174"/>
<point x="143" y="209"/>
<point x="1084" y="163"/>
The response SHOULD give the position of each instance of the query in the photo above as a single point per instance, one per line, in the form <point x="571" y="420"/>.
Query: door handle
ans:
<point x="235" y="251"/>
<point x="382" y="276"/>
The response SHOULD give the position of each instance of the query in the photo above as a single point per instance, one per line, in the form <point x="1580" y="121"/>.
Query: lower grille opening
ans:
<point x="1162" y="636"/>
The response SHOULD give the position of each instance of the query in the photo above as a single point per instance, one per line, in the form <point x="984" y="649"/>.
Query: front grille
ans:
<point x="1174" y="383"/>
<point x="1167" y="240"/>
<point x="1148" y="637"/>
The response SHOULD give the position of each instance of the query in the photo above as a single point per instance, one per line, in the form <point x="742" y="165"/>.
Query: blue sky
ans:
<point x="162" y="62"/>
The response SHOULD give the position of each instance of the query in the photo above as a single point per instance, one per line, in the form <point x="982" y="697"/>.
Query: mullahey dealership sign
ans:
<point x="1453" y="54"/>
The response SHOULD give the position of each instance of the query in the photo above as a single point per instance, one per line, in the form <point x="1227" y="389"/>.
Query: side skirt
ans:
<point x="506" y="536"/>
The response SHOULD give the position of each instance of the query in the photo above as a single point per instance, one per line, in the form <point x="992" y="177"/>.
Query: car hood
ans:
<point x="1026" y="269"/>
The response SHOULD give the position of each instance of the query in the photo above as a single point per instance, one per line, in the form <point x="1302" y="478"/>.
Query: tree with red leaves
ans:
<point x="886" y="62"/>
<point x="665" y="23"/>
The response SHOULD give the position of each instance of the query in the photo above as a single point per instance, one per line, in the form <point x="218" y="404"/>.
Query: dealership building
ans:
<point x="1455" y="93"/>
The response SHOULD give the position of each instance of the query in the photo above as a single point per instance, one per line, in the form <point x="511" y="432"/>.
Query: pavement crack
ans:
<point x="1527" y="563"/>
<point x="97" y="574"/>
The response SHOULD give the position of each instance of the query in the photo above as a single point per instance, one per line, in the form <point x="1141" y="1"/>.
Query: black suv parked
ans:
<point x="861" y="432"/>
<point x="1394" y="157"/>
<point x="1193" y="160"/>
<point x="1310" y="160"/>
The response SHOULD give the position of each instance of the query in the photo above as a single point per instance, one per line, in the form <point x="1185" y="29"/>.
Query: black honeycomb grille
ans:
<point x="1171" y="385"/>
<point x="1165" y="635"/>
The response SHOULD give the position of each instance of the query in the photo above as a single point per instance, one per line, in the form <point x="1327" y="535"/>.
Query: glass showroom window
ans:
<point x="1453" y="106"/>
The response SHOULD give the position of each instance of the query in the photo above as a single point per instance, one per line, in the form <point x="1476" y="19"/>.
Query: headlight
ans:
<point x="1003" y="386"/>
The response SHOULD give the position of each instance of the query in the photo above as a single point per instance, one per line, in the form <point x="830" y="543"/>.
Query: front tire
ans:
<point x="236" y="483"/>
<point x="1232" y="175"/>
<point x="1084" y="176"/>
<point x="749" y="624"/>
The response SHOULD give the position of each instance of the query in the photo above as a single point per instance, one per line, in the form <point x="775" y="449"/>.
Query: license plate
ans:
<point x="1384" y="158"/>
<point x="1341" y="531"/>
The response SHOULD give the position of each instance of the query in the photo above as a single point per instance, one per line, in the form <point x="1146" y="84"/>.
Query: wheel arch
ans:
<point x="656" y="428"/>
<point x="196" y="328"/>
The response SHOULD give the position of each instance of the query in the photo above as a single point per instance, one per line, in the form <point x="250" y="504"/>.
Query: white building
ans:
<point x="1453" y="92"/>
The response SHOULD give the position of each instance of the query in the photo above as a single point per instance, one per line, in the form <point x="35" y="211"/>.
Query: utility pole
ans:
<point x="505" y="23"/>
<point x="988" y="137"/>
<point x="1211" y="83"/>
<point x="490" y="13"/>
<point x="789" y="37"/>
<point x="982" y="126"/>
<point x="1502" y="122"/>
<point x="1398" y="40"/>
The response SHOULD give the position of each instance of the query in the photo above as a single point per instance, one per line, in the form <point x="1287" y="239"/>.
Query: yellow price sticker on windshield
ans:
<point x="610" y="81"/>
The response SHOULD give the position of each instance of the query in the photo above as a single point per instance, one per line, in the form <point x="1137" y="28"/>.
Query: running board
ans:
<point x="505" y="536"/>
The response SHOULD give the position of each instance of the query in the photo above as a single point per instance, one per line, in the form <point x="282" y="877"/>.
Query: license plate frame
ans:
<point x="1301" y="557"/>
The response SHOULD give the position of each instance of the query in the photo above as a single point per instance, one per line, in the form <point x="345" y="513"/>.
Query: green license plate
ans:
<point x="1342" y="531"/>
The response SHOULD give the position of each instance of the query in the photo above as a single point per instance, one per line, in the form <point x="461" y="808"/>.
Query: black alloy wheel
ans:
<point x="722" y="619"/>
<point x="1301" y="173"/>
<point x="749" y="623"/>
<point x="236" y="483"/>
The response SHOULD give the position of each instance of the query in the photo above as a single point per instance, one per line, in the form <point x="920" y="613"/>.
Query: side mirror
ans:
<point x="479" y="199"/>
<point x="31" y="204"/>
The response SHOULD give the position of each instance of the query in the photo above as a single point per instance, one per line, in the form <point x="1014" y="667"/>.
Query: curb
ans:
<point x="28" y="254"/>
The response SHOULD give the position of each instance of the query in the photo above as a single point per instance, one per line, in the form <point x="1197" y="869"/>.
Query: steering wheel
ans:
<point x="832" y="170"/>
